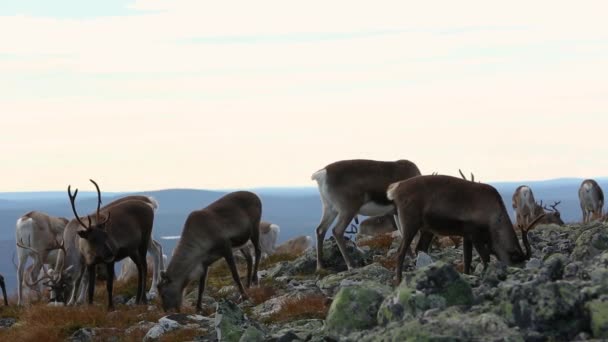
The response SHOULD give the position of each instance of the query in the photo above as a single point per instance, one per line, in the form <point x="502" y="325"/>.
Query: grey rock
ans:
<point x="7" y="322"/>
<point x="423" y="260"/>
<point x="534" y="263"/>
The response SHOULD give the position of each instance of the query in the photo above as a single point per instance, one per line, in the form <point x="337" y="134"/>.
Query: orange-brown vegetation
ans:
<point x="309" y="307"/>
<point x="379" y="242"/>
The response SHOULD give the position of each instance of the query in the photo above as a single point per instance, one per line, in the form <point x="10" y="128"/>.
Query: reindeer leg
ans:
<point x="20" y="272"/>
<point x="423" y="243"/>
<point x="255" y="238"/>
<point x="3" y="286"/>
<point x="338" y="232"/>
<point x="144" y="275"/>
<point x="235" y="273"/>
<point x="409" y="230"/>
<point x="156" y="250"/>
<point x="201" y="288"/>
<point x="92" y="278"/>
<point x="467" y="248"/>
<point x="249" y="261"/>
<point x="483" y="250"/>
<point x="110" y="284"/>
<point x="329" y="215"/>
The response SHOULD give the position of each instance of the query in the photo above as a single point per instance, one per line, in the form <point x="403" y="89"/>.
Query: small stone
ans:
<point x="534" y="264"/>
<point x="423" y="260"/>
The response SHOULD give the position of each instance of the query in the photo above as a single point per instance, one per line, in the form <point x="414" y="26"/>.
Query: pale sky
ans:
<point x="153" y="94"/>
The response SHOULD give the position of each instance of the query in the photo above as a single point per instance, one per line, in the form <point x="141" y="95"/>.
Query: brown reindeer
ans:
<point x="120" y="231"/>
<point x="208" y="235"/>
<point x="352" y="187"/>
<point x="552" y="214"/>
<point x="591" y="197"/>
<point x="445" y="205"/>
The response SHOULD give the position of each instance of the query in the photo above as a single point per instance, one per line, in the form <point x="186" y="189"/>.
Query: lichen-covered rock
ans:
<point x="82" y="335"/>
<point x="252" y="334"/>
<point x="374" y="274"/>
<point x="353" y="308"/>
<point x="332" y="260"/>
<point x="598" y="312"/>
<point x="164" y="326"/>
<point x="593" y="240"/>
<point x="451" y="324"/>
<point x="302" y="330"/>
<point x="7" y="322"/>
<point x="231" y="323"/>
<point x="406" y="304"/>
<point x="554" y="308"/>
<point x="443" y="280"/>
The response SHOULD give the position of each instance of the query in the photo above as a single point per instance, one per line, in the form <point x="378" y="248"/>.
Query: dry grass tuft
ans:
<point x="381" y="242"/>
<point x="39" y="322"/>
<point x="272" y="260"/>
<point x="259" y="295"/>
<point x="309" y="307"/>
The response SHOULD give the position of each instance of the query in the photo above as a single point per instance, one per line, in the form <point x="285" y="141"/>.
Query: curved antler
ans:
<point x="98" y="215"/>
<point x="73" y="203"/>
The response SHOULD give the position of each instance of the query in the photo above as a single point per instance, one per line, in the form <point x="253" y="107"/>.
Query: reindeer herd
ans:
<point x="395" y="195"/>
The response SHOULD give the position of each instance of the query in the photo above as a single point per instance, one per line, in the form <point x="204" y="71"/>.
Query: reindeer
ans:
<point x="524" y="205"/>
<point x="445" y="205"/>
<point x="295" y="246"/>
<point x="552" y="215"/>
<point x="128" y="269"/>
<point x="351" y="187"/>
<point x="72" y="257"/>
<point x="208" y="235"/>
<point x="41" y="231"/>
<point x="119" y="231"/>
<point x="54" y="280"/>
<point x="3" y="286"/>
<point x="591" y="197"/>
<point x="377" y="225"/>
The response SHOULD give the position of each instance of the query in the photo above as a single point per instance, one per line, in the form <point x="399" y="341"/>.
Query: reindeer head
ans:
<point x="553" y="215"/>
<point x="99" y="246"/>
<point x="170" y="293"/>
<point x="57" y="281"/>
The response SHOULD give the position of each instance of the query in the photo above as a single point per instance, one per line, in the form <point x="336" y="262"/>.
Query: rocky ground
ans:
<point x="560" y="295"/>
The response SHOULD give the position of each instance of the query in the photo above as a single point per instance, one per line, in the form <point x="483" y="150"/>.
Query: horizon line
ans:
<point x="281" y="187"/>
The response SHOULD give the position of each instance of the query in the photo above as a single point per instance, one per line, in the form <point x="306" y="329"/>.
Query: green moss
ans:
<point x="354" y="308"/>
<point x="598" y="311"/>
<point x="458" y="293"/>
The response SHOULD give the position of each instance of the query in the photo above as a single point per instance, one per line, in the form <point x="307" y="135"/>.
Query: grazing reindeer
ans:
<point x="119" y="231"/>
<point x="377" y="225"/>
<point x="351" y="187"/>
<point x="552" y="215"/>
<point x="41" y="231"/>
<point x="524" y="205"/>
<point x="591" y="197"/>
<point x="54" y="280"/>
<point x="295" y="246"/>
<point x="208" y="235"/>
<point x="3" y="286"/>
<point x="445" y="205"/>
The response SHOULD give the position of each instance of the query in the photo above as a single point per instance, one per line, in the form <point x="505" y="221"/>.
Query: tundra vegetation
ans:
<point x="560" y="294"/>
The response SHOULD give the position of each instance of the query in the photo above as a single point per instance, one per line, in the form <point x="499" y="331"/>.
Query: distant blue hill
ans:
<point x="296" y="210"/>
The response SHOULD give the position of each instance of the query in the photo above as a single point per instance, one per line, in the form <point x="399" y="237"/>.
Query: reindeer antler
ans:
<point x="99" y="204"/>
<point x="554" y="206"/>
<point x="465" y="178"/>
<point x="73" y="203"/>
